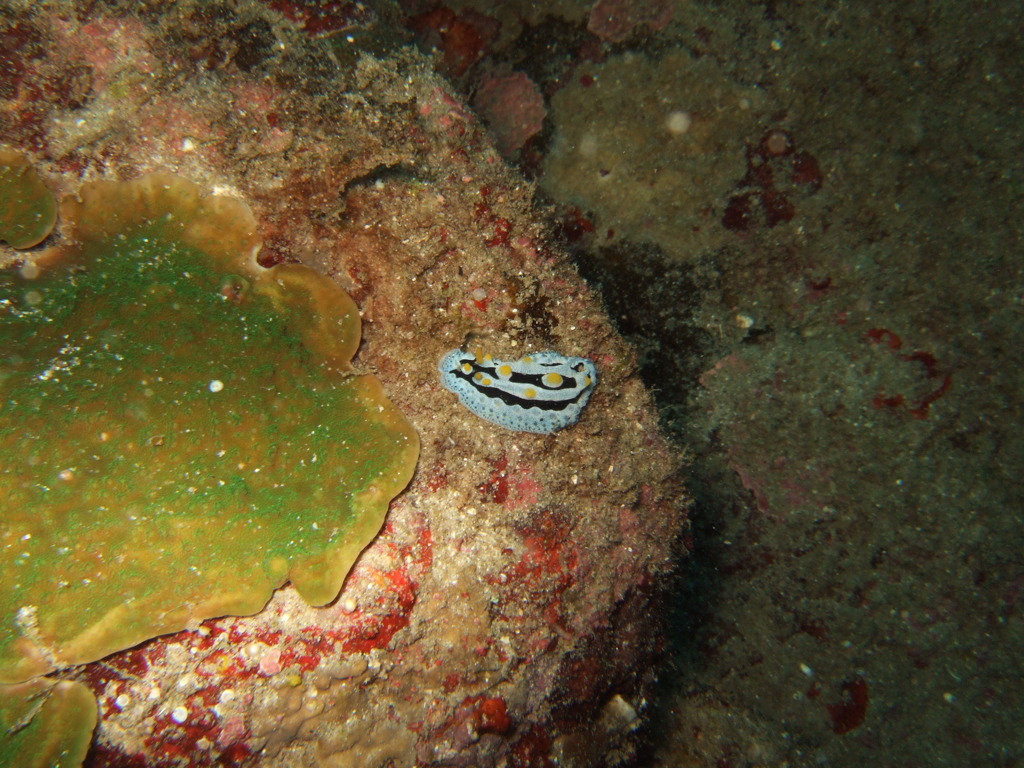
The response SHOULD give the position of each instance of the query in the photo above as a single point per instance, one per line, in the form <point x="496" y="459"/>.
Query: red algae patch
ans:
<point x="181" y="433"/>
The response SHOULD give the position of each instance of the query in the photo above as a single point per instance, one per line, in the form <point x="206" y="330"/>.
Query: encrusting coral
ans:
<point x="28" y="210"/>
<point x="181" y="430"/>
<point x="46" y="723"/>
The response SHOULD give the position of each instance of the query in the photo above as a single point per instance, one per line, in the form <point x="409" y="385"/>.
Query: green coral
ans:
<point x="180" y="429"/>
<point x="28" y="210"/>
<point x="47" y="724"/>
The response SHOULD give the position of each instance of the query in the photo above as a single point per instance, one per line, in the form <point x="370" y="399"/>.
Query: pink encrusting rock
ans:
<point x="507" y="612"/>
<point x="513" y="107"/>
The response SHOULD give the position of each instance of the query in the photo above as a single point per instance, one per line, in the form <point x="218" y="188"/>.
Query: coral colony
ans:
<point x="181" y="433"/>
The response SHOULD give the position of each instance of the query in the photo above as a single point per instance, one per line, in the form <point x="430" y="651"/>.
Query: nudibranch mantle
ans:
<point x="541" y="392"/>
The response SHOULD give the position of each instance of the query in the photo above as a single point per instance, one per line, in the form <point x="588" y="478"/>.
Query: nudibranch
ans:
<point x="542" y="392"/>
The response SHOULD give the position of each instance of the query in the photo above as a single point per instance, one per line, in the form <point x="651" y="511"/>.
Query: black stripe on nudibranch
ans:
<point x="509" y="398"/>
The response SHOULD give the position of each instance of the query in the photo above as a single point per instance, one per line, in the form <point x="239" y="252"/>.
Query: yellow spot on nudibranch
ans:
<point x="478" y="376"/>
<point x="505" y="370"/>
<point x="530" y="392"/>
<point x="467" y="368"/>
<point x="527" y="359"/>
<point x="486" y="382"/>
<point x="553" y="379"/>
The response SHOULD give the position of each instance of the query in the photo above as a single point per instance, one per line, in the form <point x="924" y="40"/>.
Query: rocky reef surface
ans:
<point x="806" y="217"/>
<point x="505" y="613"/>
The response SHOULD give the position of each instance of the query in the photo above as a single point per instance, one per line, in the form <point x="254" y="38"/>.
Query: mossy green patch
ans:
<point x="180" y="431"/>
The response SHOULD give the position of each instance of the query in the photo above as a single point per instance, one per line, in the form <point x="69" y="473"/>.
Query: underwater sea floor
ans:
<point x="805" y="220"/>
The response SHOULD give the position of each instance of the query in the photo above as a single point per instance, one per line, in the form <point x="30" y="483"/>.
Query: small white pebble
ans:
<point x="122" y="701"/>
<point x="678" y="122"/>
<point x="349" y="605"/>
<point x="179" y="715"/>
<point x="216" y="385"/>
<point x="806" y="669"/>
